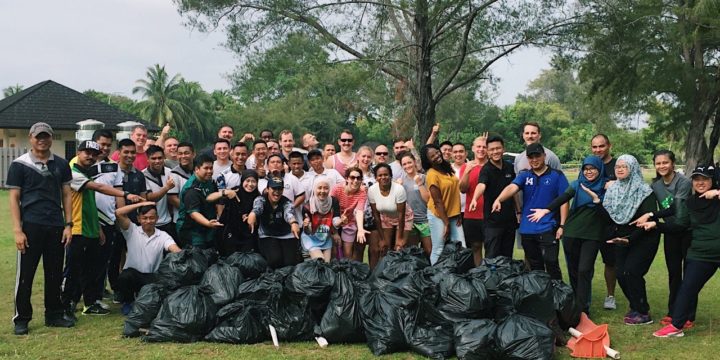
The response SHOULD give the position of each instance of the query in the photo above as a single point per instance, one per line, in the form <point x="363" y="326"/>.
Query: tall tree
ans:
<point x="643" y="52"/>
<point x="12" y="90"/>
<point x="432" y="48"/>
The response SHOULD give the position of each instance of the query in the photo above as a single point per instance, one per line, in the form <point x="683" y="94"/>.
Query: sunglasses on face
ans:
<point x="355" y="177"/>
<point x="346" y="140"/>
<point x="381" y="154"/>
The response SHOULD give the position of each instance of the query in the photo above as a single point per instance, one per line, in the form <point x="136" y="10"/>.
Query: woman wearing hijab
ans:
<point x="584" y="229"/>
<point x="236" y="234"/>
<point x="321" y="218"/>
<point x="626" y="200"/>
<point x="699" y="215"/>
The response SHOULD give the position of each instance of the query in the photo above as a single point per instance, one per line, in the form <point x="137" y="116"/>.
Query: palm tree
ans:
<point x="12" y="90"/>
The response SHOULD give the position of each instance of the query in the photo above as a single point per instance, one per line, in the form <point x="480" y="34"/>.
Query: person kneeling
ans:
<point x="145" y="247"/>
<point x="321" y="219"/>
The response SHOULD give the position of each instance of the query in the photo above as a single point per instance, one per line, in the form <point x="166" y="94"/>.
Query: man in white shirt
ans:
<point x="231" y="177"/>
<point x="317" y="170"/>
<point x="221" y="150"/>
<point x="159" y="183"/>
<point x="180" y="174"/>
<point x="145" y="247"/>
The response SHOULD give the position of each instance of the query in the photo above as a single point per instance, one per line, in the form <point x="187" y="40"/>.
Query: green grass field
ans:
<point x="100" y="337"/>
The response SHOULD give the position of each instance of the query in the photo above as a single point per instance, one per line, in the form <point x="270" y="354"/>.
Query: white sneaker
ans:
<point x="609" y="303"/>
<point x="102" y="305"/>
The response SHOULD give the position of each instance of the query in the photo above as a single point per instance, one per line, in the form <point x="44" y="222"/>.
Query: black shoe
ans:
<point x="60" y="321"/>
<point x="70" y="311"/>
<point x="21" y="328"/>
<point x="95" y="309"/>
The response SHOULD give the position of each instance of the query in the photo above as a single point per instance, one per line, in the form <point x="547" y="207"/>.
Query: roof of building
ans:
<point x="59" y="106"/>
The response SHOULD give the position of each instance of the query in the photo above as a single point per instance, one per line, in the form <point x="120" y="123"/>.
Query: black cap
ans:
<point x="89" y="145"/>
<point x="534" y="149"/>
<point x="275" y="183"/>
<point x="707" y="171"/>
<point x="313" y="153"/>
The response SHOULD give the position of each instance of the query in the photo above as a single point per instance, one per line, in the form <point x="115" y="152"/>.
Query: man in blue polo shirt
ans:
<point x="540" y="185"/>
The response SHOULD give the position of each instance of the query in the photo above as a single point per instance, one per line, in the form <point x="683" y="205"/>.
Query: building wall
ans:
<point x="18" y="138"/>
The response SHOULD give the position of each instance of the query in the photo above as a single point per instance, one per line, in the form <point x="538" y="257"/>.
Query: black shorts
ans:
<point x="608" y="253"/>
<point x="474" y="231"/>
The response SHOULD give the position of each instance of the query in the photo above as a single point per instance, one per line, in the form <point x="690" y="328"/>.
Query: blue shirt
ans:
<point x="538" y="192"/>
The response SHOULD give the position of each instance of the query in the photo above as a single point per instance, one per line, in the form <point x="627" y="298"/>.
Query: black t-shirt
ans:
<point x="610" y="170"/>
<point x="495" y="181"/>
<point x="134" y="183"/>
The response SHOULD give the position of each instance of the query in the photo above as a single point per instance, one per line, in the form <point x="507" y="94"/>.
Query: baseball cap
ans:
<point x="39" y="128"/>
<point x="534" y="149"/>
<point x="275" y="183"/>
<point x="707" y="171"/>
<point x="313" y="153"/>
<point x="89" y="145"/>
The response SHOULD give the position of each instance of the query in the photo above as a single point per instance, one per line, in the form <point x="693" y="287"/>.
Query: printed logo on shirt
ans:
<point x="529" y="181"/>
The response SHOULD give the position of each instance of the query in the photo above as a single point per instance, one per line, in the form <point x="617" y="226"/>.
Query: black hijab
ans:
<point x="247" y="198"/>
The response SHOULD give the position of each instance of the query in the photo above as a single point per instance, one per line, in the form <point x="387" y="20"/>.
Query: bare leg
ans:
<point x="316" y="254"/>
<point x="326" y="255"/>
<point x="477" y="249"/>
<point x="348" y="249"/>
<point x="426" y="243"/>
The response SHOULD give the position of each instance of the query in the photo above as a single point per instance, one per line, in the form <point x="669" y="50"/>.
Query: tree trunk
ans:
<point x="424" y="107"/>
<point x="696" y="149"/>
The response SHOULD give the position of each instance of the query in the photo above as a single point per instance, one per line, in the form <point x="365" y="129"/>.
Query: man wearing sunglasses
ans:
<point x="346" y="158"/>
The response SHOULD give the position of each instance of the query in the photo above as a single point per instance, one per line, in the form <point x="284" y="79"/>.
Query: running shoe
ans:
<point x="669" y="331"/>
<point x="609" y="303"/>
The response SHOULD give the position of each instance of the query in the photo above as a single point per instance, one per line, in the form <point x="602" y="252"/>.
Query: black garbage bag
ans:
<point x="566" y="306"/>
<point x="183" y="268"/>
<point x="398" y="265"/>
<point x="521" y="337"/>
<point x="291" y="315"/>
<point x="529" y="294"/>
<point x="210" y="254"/>
<point x="311" y="278"/>
<point x="261" y="287"/>
<point x="493" y="271"/>
<point x="186" y="315"/>
<point x="145" y="308"/>
<point x="251" y="264"/>
<point x="341" y="322"/>
<point x="383" y="322"/>
<point x="224" y="280"/>
<point x="461" y="296"/>
<point x="430" y="340"/>
<point x="242" y="322"/>
<point x="475" y="339"/>
<point x="456" y="258"/>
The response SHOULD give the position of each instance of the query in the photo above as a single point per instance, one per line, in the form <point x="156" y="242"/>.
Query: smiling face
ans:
<point x="86" y="158"/>
<point x="249" y="184"/>
<point x="296" y="166"/>
<point x="156" y="161"/>
<point x="274" y="194"/>
<point x="383" y="177"/>
<point x="537" y="161"/>
<point x="381" y="154"/>
<point x="701" y="184"/>
<point x="322" y="190"/>
<point x="479" y="149"/>
<point x="531" y="134"/>
<point x="185" y="156"/>
<point x="459" y="154"/>
<point x="346" y="142"/>
<point x="42" y="142"/>
<point x="261" y="152"/>
<point x="273" y="147"/>
<point x="171" y="147"/>
<point x="365" y="157"/>
<point x="495" y="151"/>
<point x="221" y="151"/>
<point x="204" y="172"/>
<point x="591" y="173"/>
<point x="398" y="147"/>
<point x="239" y="156"/>
<point x="354" y="180"/>
<point x="127" y="155"/>
<point x="600" y="148"/>
<point x="622" y="170"/>
<point x="664" y="165"/>
<point x="446" y="151"/>
<point x="148" y="220"/>
<point x="409" y="165"/>
<point x="105" y="146"/>
<point x="287" y="142"/>
<point x="139" y="136"/>
<point x="226" y="132"/>
<point x="435" y="156"/>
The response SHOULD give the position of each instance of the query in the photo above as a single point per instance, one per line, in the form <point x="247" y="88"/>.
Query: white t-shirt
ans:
<point x="154" y="184"/>
<point x="387" y="204"/>
<point x="108" y="173"/>
<point x="232" y="178"/>
<point x="144" y="253"/>
<point x="220" y="168"/>
<point x="180" y="177"/>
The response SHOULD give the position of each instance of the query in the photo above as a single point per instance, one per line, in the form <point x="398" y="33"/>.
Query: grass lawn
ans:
<point x="100" y="337"/>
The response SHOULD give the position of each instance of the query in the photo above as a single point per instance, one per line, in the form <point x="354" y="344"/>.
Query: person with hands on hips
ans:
<point x="540" y="185"/>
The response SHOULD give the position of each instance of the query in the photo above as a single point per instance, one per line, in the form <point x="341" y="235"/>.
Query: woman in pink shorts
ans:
<point x="352" y="198"/>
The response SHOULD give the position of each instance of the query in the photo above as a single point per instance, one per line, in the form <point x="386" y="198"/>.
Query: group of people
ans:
<point x="111" y="216"/>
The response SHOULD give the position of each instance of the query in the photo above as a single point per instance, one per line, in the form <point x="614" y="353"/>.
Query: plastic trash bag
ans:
<point x="145" y="308"/>
<point x="463" y="297"/>
<point x="341" y="322"/>
<point x="242" y="322"/>
<point x="383" y="321"/>
<point x="430" y="340"/>
<point x="456" y="258"/>
<point x="312" y="278"/>
<point x="251" y="264"/>
<point x="475" y="339"/>
<point x="291" y="315"/>
<point x="183" y="268"/>
<point x="261" y="287"/>
<point x="224" y="280"/>
<point x="186" y="315"/>
<point x="566" y="306"/>
<point x="398" y="265"/>
<point x="520" y="337"/>
<point x="493" y="271"/>
<point x="529" y="294"/>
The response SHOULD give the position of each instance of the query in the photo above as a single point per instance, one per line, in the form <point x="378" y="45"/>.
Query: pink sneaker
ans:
<point x="669" y="331"/>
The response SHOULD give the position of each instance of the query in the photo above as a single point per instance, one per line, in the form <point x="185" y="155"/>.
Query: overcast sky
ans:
<point x="107" y="44"/>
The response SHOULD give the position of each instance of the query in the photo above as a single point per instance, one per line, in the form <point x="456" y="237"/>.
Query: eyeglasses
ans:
<point x="355" y="177"/>
<point x="589" y="169"/>
<point x="381" y="153"/>
<point x="621" y="166"/>
<point x="346" y="140"/>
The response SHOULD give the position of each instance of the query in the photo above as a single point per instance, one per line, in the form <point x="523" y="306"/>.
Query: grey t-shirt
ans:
<point x="414" y="200"/>
<point x="672" y="194"/>
<point x="552" y="160"/>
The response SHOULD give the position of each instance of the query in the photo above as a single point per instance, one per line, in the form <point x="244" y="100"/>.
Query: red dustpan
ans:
<point x="590" y="340"/>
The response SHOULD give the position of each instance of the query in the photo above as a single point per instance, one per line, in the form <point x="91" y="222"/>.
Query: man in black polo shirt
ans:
<point x="494" y="177"/>
<point x="40" y="209"/>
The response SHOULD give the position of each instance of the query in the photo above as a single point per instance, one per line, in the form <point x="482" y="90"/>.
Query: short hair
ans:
<point x="295" y="155"/>
<point x="239" y="144"/>
<point x="459" y="143"/>
<point x="186" y="144"/>
<point x="601" y="135"/>
<point x="446" y="142"/>
<point x="349" y="170"/>
<point x="346" y="131"/>
<point x="145" y="209"/>
<point x="171" y="137"/>
<point x="380" y="166"/>
<point x="221" y="140"/>
<point x="397" y="140"/>
<point x="404" y="154"/>
<point x="531" y="123"/>
<point x="226" y="125"/>
<point x="102" y="133"/>
<point x="138" y="126"/>
<point x="267" y="130"/>
<point x="285" y="132"/>
<point x="152" y="149"/>
<point x="201" y="160"/>
<point x="495" y="139"/>
<point x="125" y="143"/>
<point x="259" y="141"/>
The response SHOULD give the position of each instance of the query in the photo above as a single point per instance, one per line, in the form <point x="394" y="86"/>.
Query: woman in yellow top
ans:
<point x="444" y="203"/>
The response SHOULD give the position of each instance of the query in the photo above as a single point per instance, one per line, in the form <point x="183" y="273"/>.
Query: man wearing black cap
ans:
<point x="41" y="213"/>
<point x="540" y="185"/>
<point x="83" y="261"/>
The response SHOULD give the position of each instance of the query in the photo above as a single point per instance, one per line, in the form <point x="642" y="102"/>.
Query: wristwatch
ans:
<point x="69" y="223"/>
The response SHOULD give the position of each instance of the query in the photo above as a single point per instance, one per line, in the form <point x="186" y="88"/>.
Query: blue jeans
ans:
<point x="437" y="234"/>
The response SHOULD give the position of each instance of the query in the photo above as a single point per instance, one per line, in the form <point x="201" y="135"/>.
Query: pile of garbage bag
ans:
<point x="496" y="310"/>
